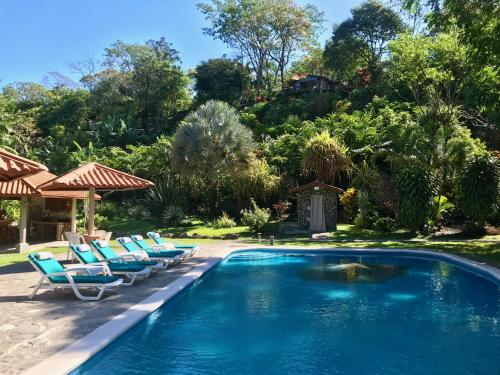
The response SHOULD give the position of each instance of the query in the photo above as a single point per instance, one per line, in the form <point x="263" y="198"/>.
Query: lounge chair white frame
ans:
<point x="45" y="283"/>
<point x="130" y="275"/>
<point x="144" y="255"/>
<point x="73" y="239"/>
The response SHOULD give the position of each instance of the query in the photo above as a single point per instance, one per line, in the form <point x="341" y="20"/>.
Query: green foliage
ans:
<point x="362" y="39"/>
<point x="326" y="157"/>
<point x="224" y="221"/>
<point x="165" y="193"/>
<point x="415" y="188"/>
<point x="110" y="209"/>
<point x="258" y="181"/>
<point x="256" y="217"/>
<point x="139" y="212"/>
<point x="173" y="215"/>
<point x="9" y="210"/>
<point x="101" y="222"/>
<point x="478" y="187"/>
<point x="440" y="206"/>
<point x="385" y="224"/>
<point x="349" y="202"/>
<point x="211" y="141"/>
<point x="221" y="79"/>
<point x="265" y="32"/>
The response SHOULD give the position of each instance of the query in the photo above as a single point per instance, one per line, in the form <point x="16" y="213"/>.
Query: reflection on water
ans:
<point x="353" y="272"/>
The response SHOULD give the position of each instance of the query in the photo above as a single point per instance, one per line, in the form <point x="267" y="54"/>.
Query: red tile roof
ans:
<point x="13" y="166"/>
<point x="29" y="186"/>
<point x="97" y="176"/>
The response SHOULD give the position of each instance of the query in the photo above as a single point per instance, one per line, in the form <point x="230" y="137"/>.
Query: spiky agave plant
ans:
<point x="327" y="157"/>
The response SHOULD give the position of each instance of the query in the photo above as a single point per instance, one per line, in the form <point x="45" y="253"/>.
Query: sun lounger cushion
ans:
<point x="137" y="237"/>
<point x="85" y="279"/>
<point x="126" y="267"/>
<point x="164" y="254"/>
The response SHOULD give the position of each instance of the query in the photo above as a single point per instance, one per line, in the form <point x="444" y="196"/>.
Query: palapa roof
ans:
<point x="13" y="166"/>
<point x="314" y="184"/>
<point x="97" y="176"/>
<point x="30" y="186"/>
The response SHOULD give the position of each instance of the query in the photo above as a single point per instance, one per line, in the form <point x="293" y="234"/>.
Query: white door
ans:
<point x="317" y="223"/>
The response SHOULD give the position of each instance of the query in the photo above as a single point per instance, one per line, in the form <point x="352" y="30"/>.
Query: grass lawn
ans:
<point x="485" y="250"/>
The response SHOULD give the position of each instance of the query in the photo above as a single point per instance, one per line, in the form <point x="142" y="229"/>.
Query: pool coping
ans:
<point x="74" y="355"/>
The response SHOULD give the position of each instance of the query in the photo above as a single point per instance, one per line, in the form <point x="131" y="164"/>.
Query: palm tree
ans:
<point x="210" y="143"/>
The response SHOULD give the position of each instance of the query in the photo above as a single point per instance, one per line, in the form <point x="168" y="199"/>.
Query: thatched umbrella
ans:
<point x="92" y="177"/>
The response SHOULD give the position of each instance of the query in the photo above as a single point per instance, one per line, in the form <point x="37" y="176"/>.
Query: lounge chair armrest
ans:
<point x="139" y="255"/>
<point x="87" y="269"/>
<point x="160" y="246"/>
<point x="126" y="257"/>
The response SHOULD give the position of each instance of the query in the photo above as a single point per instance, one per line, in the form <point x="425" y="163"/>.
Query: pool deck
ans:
<point x="33" y="330"/>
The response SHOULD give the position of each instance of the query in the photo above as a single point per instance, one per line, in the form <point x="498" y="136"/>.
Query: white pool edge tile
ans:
<point x="74" y="355"/>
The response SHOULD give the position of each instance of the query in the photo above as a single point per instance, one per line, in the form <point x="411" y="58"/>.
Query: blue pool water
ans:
<point x="320" y="314"/>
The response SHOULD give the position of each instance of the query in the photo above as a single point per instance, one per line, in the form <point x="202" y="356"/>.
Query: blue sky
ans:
<point x="40" y="36"/>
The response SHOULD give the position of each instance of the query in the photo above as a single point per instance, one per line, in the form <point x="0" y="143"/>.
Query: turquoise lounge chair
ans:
<point x="157" y="238"/>
<point x="55" y="276"/>
<point x="166" y="255"/>
<point x="107" y="253"/>
<point x="144" y="246"/>
<point x="132" y="272"/>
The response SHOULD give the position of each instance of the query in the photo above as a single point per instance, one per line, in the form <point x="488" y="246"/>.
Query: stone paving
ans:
<point x="32" y="330"/>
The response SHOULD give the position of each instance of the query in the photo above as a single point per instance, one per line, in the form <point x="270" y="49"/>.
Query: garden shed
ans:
<point x="317" y="206"/>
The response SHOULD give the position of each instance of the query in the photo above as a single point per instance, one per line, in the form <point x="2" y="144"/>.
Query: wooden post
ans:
<point x="90" y="221"/>
<point x="23" y="226"/>
<point x="73" y="215"/>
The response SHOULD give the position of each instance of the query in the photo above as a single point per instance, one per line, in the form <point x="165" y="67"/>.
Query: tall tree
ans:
<point x="221" y="79"/>
<point x="242" y="24"/>
<point x="143" y="83"/>
<point x="294" y="28"/>
<point x="265" y="32"/>
<point x="363" y="38"/>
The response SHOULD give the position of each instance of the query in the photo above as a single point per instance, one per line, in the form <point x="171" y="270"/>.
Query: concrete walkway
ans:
<point x="32" y="330"/>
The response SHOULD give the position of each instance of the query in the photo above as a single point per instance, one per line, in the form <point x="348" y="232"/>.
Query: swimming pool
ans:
<point x="292" y="312"/>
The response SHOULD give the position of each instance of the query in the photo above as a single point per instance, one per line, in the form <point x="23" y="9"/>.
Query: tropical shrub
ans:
<point x="256" y="217"/>
<point x="9" y="210"/>
<point x="478" y="188"/>
<point x="110" y="209"/>
<point x="327" y="157"/>
<point x="349" y="203"/>
<point x="259" y="179"/>
<point x="100" y="221"/>
<point x="440" y="206"/>
<point x="211" y="143"/>
<point x="224" y="221"/>
<point x="385" y="224"/>
<point x="173" y="215"/>
<point x="366" y="220"/>
<point x="139" y="212"/>
<point x="415" y="188"/>
<point x="163" y="194"/>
